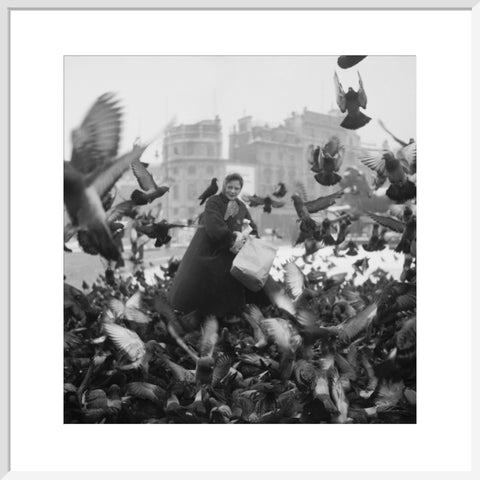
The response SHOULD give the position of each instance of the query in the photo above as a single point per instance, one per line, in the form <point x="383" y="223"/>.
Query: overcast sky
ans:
<point x="154" y="90"/>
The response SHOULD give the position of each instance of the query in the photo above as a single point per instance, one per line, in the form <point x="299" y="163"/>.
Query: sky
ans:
<point x="156" y="90"/>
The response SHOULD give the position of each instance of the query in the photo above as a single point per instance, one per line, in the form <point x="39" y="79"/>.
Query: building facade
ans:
<point x="192" y="156"/>
<point x="279" y="154"/>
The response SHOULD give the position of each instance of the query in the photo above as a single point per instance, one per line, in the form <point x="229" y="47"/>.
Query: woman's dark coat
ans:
<point x="203" y="281"/>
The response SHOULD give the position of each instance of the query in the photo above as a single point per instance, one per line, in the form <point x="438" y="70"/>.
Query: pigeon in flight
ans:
<point x="326" y="161"/>
<point x="151" y="190"/>
<point x="280" y="190"/>
<point x="396" y="169"/>
<point x="350" y="102"/>
<point x="94" y="170"/>
<point x="267" y="202"/>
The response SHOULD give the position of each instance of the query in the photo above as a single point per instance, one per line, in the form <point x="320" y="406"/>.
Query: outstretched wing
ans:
<point x="388" y="222"/>
<point x="125" y="340"/>
<point x="374" y="162"/>
<point x="143" y="176"/>
<point x="277" y="203"/>
<point x="97" y="139"/>
<point x="408" y="153"/>
<point x="340" y="94"/>
<point x="112" y="170"/>
<point x="119" y="211"/>
<point x="362" y="96"/>
<point x="323" y="202"/>
<point x="254" y="200"/>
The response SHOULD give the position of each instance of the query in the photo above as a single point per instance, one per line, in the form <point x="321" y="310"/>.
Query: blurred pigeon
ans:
<point x="95" y="146"/>
<point x="321" y="203"/>
<point x="159" y="231"/>
<point x="280" y="191"/>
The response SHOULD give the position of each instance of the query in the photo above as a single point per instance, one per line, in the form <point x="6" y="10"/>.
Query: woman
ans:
<point x="203" y="282"/>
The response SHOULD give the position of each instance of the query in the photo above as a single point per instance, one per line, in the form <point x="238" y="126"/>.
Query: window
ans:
<point x="292" y="158"/>
<point x="281" y="174"/>
<point x="192" y="170"/>
<point x="210" y="150"/>
<point x="175" y="171"/>
<point x="175" y="211"/>
<point x="268" y="155"/>
<point x="191" y="191"/>
<point x="190" y="148"/>
<point x="175" y="192"/>
<point x="267" y="175"/>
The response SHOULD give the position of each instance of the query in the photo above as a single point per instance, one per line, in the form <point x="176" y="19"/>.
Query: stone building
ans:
<point x="278" y="154"/>
<point x="192" y="156"/>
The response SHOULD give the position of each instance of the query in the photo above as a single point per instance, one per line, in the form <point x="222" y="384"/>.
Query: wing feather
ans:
<point x="375" y="163"/>
<point x="98" y="137"/>
<point x="143" y="176"/>
<point x="340" y="94"/>
<point x="125" y="340"/>
<point x="388" y="222"/>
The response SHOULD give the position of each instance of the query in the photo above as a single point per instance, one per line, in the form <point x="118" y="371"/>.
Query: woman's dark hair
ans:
<point x="233" y="176"/>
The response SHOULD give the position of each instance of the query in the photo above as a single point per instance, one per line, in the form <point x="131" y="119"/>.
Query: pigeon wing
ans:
<point x="125" y="340"/>
<point x="389" y="222"/>
<point x="143" y="176"/>
<point x="119" y="211"/>
<point x="97" y="139"/>
<point x="105" y="178"/>
<point x="321" y="203"/>
<point x="294" y="279"/>
<point x="362" y="96"/>
<point x="340" y="94"/>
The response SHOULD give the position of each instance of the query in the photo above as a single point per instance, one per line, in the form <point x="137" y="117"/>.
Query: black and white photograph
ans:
<point x="240" y="239"/>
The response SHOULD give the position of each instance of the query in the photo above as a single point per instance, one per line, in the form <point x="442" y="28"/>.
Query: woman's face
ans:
<point x="232" y="189"/>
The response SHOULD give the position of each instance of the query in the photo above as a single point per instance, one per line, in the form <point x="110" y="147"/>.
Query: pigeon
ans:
<point x="280" y="191"/>
<point x="326" y="161"/>
<point x="159" y="231"/>
<point x="408" y="150"/>
<point x="84" y="237"/>
<point x="351" y="102"/>
<point x="93" y="170"/>
<point x="267" y="202"/>
<point x="347" y="61"/>
<point x="211" y="190"/>
<point x="408" y="229"/>
<point x="151" y="190"/>
<point x="376" y="241"/>
<point x="303" y="214"/>
<point x="396" y="169"/>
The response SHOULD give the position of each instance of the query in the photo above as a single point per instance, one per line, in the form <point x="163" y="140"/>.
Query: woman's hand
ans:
<point x="239" y="242"/>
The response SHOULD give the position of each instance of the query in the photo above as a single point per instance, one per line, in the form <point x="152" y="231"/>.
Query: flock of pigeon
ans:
<point x="324" y="351"/>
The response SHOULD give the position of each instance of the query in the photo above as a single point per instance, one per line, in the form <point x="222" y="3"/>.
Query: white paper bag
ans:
<point x="253" y="263"/>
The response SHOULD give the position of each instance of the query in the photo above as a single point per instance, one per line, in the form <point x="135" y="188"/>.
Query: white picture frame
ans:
<point x="9" y="323"/>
